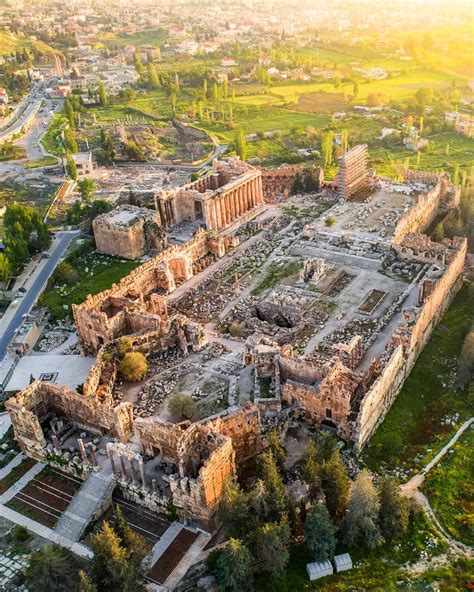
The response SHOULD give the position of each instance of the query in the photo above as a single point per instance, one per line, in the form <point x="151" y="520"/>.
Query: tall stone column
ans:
<point x="141" y="464"/>
<point x="93" y="456"/>
<point x="217" y="204"/>
<point x="110" y="454"/>
<point x="132" y="472"/>
<point x="122" y="468"/>
<point x="260" y="199"/>
<point x="227" y="209"/>
<point x="242" y="200"/>
<point x="238" y="202"/>
<point x="82" y="449"/>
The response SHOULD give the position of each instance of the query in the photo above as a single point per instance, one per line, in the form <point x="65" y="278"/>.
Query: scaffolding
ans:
<point x="353" y="176"/>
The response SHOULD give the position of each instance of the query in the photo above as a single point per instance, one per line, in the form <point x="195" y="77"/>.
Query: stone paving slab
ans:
<point x="11" y="465"/>
<point x="45" y="532"/>
<point x="22" y="482"/>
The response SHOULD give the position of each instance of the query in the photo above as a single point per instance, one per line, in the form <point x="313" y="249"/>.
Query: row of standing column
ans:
<point x="133" y="473"/>
<point x="226" y="208"/>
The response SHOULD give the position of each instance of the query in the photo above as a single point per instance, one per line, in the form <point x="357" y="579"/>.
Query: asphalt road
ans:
<point x="26" y="303"/>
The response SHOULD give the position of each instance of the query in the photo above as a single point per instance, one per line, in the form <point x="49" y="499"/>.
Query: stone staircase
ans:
<point x="85" y="504"/>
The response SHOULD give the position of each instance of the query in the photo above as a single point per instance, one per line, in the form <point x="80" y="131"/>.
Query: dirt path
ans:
<point x="411" y="490"/>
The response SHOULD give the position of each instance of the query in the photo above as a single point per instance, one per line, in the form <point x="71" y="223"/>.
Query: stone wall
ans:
<point x="130" y="238"/>
<point x="41" y="400"/>
<point x="440" y="197"/>
<point x="123" y="309"/>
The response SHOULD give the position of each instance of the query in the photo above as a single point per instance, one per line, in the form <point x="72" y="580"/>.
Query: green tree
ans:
<point x="52" y="569"/>
<point x="271" y="542"/>
<point x="182" y="405"/>
<point x="103" y="97"/>
<point x="72" y="169"/>
<point x="394" y="511"/>
<point x="234" y="571"/>
<point x="312" y="470"/>
<point x="130" y="540"/>
<point x="233" y="511"/>
<point x="438" y="233"/>
<point x="153" y="79"/>
<point x="276" y="448"/>
<point x="124" y="345"/>
<point x="133" y="366"/>
<point x="320" y="534"/>
<point x="335" y="483"/>
<point x="111" y="567"/>
<point x="5" y="269"/>
<point x="69" y="110"/>
<point x="361" y="519"/>
<point x="274" y="487"/>
<point x="241" y="145"/>
<point x="87" y="188"/>
<point x="327" y="147"/>
<point x="85" y="583"/>
<point x="70" y="141"/>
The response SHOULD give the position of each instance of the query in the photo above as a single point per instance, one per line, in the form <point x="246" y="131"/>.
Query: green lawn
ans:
<point x="154" y="37"/>
<point x="379" y="570"/>
<point x="277" y="271"/>
<point x="52" y="139"/>
<point x="413" y="425"/>
<point x="449" y="487"/>
<point x="96" y="273"/>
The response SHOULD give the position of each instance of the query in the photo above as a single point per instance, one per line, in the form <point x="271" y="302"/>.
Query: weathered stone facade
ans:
<point x="138" y="302"/>
<point x="128" y="231"/>
<point x="232" y="191"/>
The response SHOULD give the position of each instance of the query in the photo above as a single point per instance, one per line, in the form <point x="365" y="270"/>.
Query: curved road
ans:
<point x="36" y="286"/>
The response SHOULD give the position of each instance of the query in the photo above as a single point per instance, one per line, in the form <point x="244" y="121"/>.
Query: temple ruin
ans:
<point x="305" y="321"/>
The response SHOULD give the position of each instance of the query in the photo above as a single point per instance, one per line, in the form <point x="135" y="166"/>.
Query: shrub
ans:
<point x="133" y="366"/>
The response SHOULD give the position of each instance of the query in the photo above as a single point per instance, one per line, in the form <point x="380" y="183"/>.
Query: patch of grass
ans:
<point x="102" y="272"/>
<point x="46" y="161"/>
<point x="52" y="138"/>
<point x="413" y="424"/>
<point x="16" y="473"/>
<point x="277" y="271"/>
<point x="450" y="489"/>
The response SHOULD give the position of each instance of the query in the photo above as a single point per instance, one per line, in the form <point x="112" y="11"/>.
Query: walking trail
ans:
<point x="411" y="490"/>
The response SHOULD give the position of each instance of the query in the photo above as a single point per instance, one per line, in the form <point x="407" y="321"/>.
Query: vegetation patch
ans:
<point x="450" y="489"/>
<point x="87" y="272"/>
<point x="277" y="271"/>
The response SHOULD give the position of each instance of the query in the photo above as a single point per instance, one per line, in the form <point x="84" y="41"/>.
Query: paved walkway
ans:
<point x="85" y="504"/>
<point x="11" y="465"/>
<point x="44" y="531"/>
<point x="411" y="490"/>
<point x="22" y="482"/>
<point x="194" y="554"/>
<point x="162" y="544"/>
